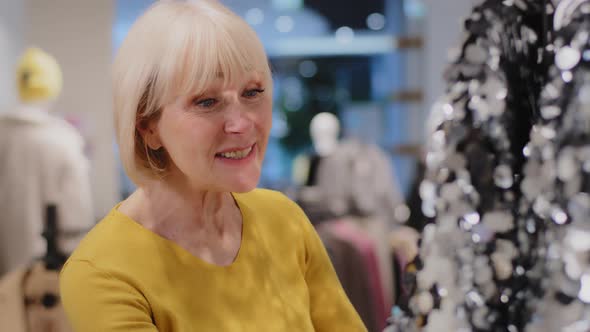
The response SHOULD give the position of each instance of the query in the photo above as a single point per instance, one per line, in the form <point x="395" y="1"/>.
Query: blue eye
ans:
<point x="208" y="102"/>
<point x="253" y="93"/>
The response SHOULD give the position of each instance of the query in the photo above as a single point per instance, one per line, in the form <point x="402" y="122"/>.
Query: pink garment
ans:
<point x="348" y="231"/>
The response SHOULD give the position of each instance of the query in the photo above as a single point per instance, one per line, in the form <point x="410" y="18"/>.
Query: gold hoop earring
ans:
<point x="150" y="159"/>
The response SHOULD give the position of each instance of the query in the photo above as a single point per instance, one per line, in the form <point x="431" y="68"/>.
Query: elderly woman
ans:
<point x="196" y="247"/>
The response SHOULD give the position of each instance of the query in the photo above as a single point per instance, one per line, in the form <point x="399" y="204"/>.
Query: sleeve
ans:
<point x="66" y="183"/>
<point x="331" y="309"/>
<point x="95" y="301"/>
<point x="76" y="216"/>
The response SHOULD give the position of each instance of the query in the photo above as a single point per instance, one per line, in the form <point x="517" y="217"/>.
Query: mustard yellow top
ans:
<point x="124" y="277"/>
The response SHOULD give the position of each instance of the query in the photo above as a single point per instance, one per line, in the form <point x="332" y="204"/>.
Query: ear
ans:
<point x="148" y="129"/>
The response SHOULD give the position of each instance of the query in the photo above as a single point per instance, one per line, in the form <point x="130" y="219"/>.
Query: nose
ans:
<point x="237" y="120"/>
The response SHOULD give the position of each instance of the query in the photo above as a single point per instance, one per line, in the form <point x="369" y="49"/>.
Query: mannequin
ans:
<point x="350" y="182"/>
<point x="324" y="130"/>
<point x="42" y="163"/>
<point x="369" y="187"/>
<point x="29" y="297"/>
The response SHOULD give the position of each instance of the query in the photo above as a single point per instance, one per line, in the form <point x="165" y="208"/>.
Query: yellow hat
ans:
<point x="39" y="76"/>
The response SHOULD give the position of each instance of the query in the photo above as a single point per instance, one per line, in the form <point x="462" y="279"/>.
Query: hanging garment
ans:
<point x="350" y="267"/>
<point x="369" y="194"/>
<point x="556" y="184"/>
<point x="357" y="179"/>
<point x="42" y="163"/>
<point x="473" y="263"/>
<point x="404" y="244"/>
<point x="417" y="219"/>
<point x="378" y="231"/>
<point x="348" y="231"/>
<point x="404" y="249"/>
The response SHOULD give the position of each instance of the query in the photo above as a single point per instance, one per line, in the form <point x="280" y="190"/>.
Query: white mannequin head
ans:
<point x="324" y="130"/>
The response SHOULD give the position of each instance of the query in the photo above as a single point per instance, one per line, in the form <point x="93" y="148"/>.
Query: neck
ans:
<point x="161" y="205"/>
<point x="325" y="147"/>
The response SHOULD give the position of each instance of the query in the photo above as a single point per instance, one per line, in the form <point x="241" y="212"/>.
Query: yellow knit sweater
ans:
<point x="124" y="277"/>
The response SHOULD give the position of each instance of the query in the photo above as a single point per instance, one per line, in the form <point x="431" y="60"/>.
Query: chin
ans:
<point x="243" y="184"/>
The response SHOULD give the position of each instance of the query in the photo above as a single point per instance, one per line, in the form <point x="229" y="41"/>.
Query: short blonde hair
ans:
<point x="176" y="48"/>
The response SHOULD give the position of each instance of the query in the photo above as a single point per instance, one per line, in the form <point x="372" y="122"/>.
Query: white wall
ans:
<point x="11" y="44"/>
<point x="443" y="30"/>
<point x="441" y="27"/>
<point x="78" y="34"/>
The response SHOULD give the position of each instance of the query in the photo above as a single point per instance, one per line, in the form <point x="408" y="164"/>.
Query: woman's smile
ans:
<point x="235" y="156"/>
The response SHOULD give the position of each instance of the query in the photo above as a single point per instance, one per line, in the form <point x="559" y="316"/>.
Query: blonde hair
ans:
<point x="176" y="48"/>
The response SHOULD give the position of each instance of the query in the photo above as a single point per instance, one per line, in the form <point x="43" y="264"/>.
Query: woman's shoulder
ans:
<point x="260" y="201"/>
<point x="261" y="192"/>
<point x="274" y="212"/>
<point x="115" y="241"/>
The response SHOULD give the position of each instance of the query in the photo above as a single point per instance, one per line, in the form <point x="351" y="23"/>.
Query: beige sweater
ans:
<point x="42" y="162"/>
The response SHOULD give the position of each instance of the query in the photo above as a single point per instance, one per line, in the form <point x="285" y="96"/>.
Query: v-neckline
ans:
<point x="186" y="254"/>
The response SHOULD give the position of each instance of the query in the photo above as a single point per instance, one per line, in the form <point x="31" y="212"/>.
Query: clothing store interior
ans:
<point x="439" y="149"/>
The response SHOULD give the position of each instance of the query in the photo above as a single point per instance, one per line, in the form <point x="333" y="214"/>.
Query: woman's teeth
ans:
<point x="236" y="154"/>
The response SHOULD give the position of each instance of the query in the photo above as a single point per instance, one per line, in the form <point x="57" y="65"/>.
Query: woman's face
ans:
<point x="217" y="140"/>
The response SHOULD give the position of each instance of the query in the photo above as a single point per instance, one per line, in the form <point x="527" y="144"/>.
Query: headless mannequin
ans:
<point x="43" y="163"/>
